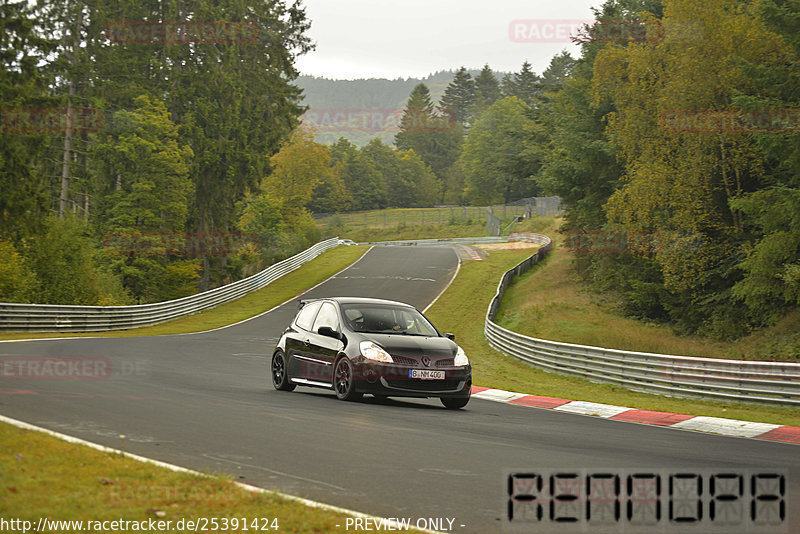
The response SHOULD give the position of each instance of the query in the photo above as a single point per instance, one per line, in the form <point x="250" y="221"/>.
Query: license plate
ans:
<point x="424" y="374"/>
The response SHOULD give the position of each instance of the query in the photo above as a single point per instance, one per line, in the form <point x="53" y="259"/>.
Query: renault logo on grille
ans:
<point x="426" y="361"/>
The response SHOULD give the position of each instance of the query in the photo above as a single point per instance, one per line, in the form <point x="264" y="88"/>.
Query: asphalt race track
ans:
<point x="205" y="401"/>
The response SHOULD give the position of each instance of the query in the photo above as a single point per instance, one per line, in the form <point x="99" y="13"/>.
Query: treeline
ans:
<point x="141" y="122"/>
<point x="465" y="149"/>
<point x="675" y="144"/>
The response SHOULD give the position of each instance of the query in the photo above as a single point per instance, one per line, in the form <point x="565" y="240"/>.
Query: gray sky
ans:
<point x="412" y="38"/>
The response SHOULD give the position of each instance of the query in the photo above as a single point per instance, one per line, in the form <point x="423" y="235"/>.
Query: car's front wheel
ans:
<point x="344" y="381"/>
<point x="454" y="403"/>
<point x="280" y="378"/>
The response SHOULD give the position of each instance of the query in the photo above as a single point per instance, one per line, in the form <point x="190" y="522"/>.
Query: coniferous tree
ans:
<point x="487" y="91"/>
<point x="458" y="97"/>
<point x="433" y="136"/>
<point x="24" y="197"/>
<point x="526" y="85"/>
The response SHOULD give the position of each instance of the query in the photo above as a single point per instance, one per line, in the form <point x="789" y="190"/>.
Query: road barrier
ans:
<point x="56" y="318"/>
<point x="736" y="380"/>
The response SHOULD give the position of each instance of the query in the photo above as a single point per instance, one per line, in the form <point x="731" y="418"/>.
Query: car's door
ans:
<point x="324" y="348"/>
<point x="299" y="341"/>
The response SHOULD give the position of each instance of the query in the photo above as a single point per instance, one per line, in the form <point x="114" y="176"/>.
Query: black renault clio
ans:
<point x="358" y="345"/>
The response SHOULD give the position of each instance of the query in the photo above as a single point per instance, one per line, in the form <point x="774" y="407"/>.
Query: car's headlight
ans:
<point x="461" y="358"/>
<point x="373" y="352"/>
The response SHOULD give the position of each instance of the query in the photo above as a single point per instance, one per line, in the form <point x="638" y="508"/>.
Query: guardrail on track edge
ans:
<point x="734" y="380"/>
<point x="56" y="318"/>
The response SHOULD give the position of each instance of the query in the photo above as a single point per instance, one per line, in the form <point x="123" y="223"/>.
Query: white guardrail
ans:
<point x="56" y="318"/>
<point x="736" y="380"/>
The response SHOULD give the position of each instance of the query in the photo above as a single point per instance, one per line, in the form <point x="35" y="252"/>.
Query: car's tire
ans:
<point x="454" y="403"/>
<point x="344" y="383"/>
<point x="280" y="378"/>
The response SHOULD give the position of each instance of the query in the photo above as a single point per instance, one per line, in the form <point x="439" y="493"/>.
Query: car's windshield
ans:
<point x="381" y="319"/>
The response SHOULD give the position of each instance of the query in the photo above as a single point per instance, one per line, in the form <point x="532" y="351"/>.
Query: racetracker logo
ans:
<point x="733" y="121"/>
<point x="47" y="368"/>
<point x="178" y="244"/>
<point x="614" y="242"/>
<point x="181" y="32"/>
<point x="374" y="120"/>
<point x="50" y="120"/>
<point x="584" y="30"/>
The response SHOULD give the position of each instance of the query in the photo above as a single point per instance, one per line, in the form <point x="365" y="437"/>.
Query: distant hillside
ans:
<point x="360" y="110"/>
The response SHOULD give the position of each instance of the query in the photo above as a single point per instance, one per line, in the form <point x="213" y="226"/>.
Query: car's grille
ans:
<point x="424" y="385"/>
<point x="403" y="360"/>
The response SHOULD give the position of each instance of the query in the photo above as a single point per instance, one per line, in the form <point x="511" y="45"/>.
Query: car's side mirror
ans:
<point x="451" y="337"/>
<point x="327" y="331"/>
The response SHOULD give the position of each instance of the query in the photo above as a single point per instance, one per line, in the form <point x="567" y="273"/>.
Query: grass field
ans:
<point x="405" y="217"/>
<point x="552" y="303"/>
<point x="469" y="228"/>
<point x="44" y="477"/>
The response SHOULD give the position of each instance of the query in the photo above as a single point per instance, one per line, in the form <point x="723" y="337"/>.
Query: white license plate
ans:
<point x="424" y="374"/>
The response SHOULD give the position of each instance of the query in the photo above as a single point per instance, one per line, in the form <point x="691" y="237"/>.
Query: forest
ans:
<point x="672" y="140"/>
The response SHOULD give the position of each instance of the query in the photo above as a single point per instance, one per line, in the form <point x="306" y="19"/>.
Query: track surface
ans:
<point x="204" y="401"/>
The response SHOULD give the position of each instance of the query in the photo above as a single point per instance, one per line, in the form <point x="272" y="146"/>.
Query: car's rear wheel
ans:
<point x="344" y="381"/>
<point x="280" y="378"/>
<point x="454" y="403"/>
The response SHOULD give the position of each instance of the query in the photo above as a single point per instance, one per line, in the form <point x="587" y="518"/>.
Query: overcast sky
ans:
<point x="413" y="38"/>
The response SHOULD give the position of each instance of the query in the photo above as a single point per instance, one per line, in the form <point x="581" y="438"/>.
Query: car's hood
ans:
<point x="414" y="346"/>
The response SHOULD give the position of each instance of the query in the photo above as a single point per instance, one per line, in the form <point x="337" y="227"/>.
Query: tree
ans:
<point x="362" y="179"/>
<point x="434" y="137"/>
<point x="61" y="260"/>
<point x="526" y="85"/>
<point x="298" y="168"/>
<point x="495" y="169"/>
<point x="425" y="186"/>
<point x="144" y="184"/>
<point x="771" y="263"/>
<point x="399" y="186"/>
<point x="458" y="98"/>
<point x="681" y="181"/>
<point x="24" y="198"/>
<point x="235" y="102"/>
<point x="557" y="72"/>
<point x="143" y="172"/>
<point x="17" y="282"/>
<point x="487" y="91"/>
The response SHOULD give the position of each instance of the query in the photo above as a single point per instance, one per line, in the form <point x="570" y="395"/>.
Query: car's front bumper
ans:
<point x="395" y="380"/>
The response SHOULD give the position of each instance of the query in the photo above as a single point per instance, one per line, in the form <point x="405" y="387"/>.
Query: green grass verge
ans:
<point x="564" y="310"/>
<point x="44" y="477"/>
<point x="310" y="274"/>
<point x="469" y="228"/>
<point x="462" y="308"/>
<point x="410" y="217"/>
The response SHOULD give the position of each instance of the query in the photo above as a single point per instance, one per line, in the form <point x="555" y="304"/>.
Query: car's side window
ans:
<point x="327" y="317"/>
<point x="306" y="316"/>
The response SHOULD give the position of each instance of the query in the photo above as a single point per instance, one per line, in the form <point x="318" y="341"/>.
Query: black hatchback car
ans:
<point x="358" y="345"/>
